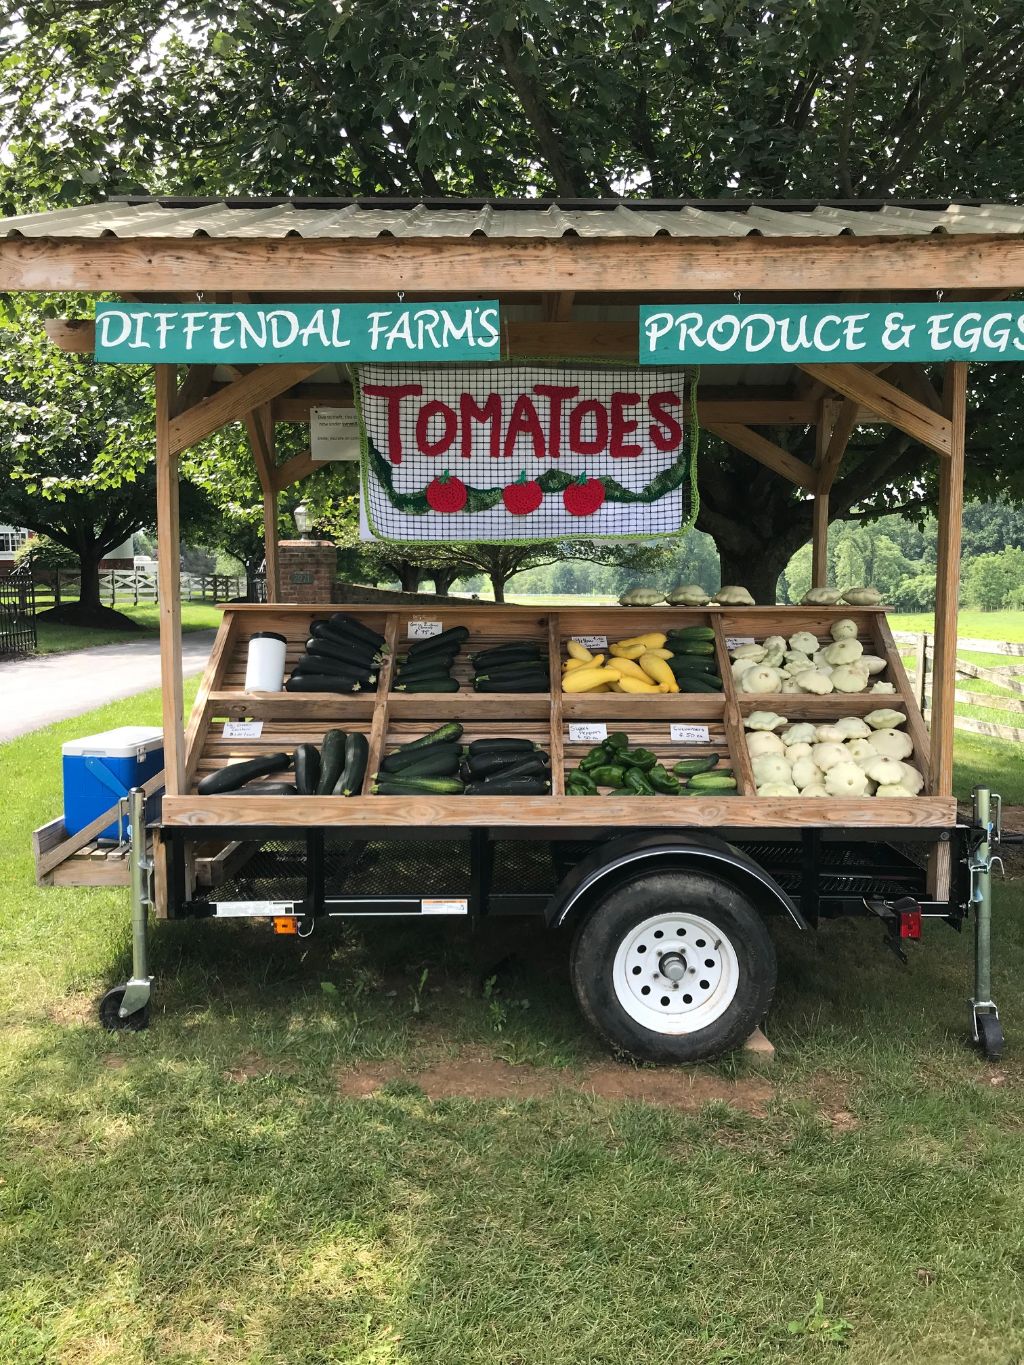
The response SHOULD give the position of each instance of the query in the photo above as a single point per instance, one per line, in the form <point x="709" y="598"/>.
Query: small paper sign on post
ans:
<point x="333" y="434"/>
<point x="423" y="630"/>
<point x="689" y="734"/>
<point x="592" y="641"/>
<point x="591" y="732"/>
<point x="243" y="729"/>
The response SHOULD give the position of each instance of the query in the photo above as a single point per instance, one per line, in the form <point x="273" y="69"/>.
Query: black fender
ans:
<point x="632" y="853"/>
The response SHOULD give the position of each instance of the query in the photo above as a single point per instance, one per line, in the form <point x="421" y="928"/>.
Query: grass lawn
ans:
<point x="57" y="639"/>
<point x="221" y="1190"/>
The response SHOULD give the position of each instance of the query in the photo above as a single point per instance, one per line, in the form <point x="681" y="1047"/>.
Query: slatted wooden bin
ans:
<point x="389" y="717"/>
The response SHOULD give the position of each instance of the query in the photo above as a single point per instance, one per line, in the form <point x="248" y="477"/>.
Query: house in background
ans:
<point x="13" y="537"/>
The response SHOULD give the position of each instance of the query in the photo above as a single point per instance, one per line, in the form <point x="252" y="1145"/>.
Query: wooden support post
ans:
<point x="947" y="598"/>
<point x="921" y="670"/>
<point x="819" y="512"/>
<point x="951" y="506"/>
<point x="259" y="426"/>
<point x="169" y="569"/>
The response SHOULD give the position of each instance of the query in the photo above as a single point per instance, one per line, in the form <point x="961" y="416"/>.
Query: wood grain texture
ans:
<point x="677" y="812"/>
<point x="891" y="404"/>
<point x="231" y="403"/>
<point x="734" y="732"/>
<point x="50" y="858"/>
<point x="840" y="429"/>
<point x="379" y="721"/>
<point x="557" y="738"/>
<point x="653" y="265"/>
<point x="885" y="645"/>
<point x="168" y="552"/>
<point x="947" y="582"/>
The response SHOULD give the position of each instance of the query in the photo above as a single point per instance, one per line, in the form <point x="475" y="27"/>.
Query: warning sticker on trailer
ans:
<point x="444" y="907"/>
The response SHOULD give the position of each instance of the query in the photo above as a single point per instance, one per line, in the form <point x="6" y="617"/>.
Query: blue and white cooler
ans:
<point x="100" y="769"/>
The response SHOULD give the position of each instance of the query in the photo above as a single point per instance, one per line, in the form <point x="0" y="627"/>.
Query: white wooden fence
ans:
<point x="1008" y="677"/>
<point x="121" y="586"/>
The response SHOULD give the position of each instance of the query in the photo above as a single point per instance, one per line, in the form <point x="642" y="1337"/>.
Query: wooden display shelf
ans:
<point x="387" y="716"/>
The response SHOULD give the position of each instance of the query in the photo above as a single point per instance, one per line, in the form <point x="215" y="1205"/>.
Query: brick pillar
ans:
<point x="308" y="568"/>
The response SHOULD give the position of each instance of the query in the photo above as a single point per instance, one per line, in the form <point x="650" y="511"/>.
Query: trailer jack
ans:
<point x="127" y="1007"/>
<point x="986" y="1030"/>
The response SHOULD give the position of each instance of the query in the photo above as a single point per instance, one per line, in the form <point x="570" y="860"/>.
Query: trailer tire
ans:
<point x="110" y="1018"/>
<point x="674" y="967"/>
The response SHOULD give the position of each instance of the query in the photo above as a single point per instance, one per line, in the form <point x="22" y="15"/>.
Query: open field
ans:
<point x="55" y="639"/>
<point x="373" y="1148"/>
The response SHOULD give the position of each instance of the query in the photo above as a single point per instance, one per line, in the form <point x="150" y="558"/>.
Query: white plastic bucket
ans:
<point x="264" y="666"/>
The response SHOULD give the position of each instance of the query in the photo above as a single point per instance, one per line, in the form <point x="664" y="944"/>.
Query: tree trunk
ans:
<point x="408" y="576"/>
<point x="443" y="579"/>
<point x="498" y="582"/>
<point x="89" y="595"/>
<point x="757" y="570"/>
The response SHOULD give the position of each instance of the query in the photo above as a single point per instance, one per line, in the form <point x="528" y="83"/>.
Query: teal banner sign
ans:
<point x="276" y="334"/>
<point x="787" y="334"/>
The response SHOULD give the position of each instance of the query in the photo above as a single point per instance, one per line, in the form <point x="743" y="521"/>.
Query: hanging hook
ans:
<point x="199" y="296"/>
<point x="938" y="295"/>
<point x="737" y="295"/>
<point x="401" y="296"/>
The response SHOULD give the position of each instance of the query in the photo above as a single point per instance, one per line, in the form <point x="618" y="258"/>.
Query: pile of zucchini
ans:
<point x="693" y="658"/>
<point x="427" y="665"/>
<point x="436" y="764"/>
<point x="336" y="768"/>
<point x="517" y="666"/>
<point x="342" y="655"/>
<point x="624" y="771"/>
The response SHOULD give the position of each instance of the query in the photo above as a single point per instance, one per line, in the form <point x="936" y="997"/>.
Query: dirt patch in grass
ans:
<point x="253" y="1066"/>
<point x="481" y="1077"/>
<point x="72" y="1009"/>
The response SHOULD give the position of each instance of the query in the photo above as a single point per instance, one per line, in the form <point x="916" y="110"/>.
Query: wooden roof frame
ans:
<point x="564" y="270"/>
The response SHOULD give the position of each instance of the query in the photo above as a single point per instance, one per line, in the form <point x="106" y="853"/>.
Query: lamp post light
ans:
<point x="303" y="521"/>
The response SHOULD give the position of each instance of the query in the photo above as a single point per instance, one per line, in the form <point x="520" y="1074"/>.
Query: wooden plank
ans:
<point x="992" y="675"/>
<point x="765" y="452"/>
<point x="222" y="866"/>
<point x="950" y="518"/>
<point x="76" y="336"/>
<point x="735" y="735"/>
<point x="169" y="569"/>
<point x="557" y="736"/>
<point x="971" y="646"/>
<point x="259" y="427"/>
<point x="202" y="709"/>
<point x="891" y="404"/>
<point x="208" y="812"/>
<point x="916" y="728"/>
<point x="916" y="382"/>
<point x="298" y="467"/>
<point x="651" y="265"/>
<point x="379" y="720"/>
<point x="984" y="727"/>
<point x="984" y="699"/>
<point x="838" y="439"/>
<point x="59" y="853"/>
<point x="231" y="403"/>
<point x="79" y="871"/>
<point x="195" y="386"/>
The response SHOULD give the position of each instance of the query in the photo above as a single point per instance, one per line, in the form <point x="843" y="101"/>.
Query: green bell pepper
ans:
<point x="579" y="783"/>
<point x="637" y="779"/>
<point x="608" y="775"/>
<point x="663" y="781"/>
<point x="618" y="740"/>
<point x="597" y="756"/>
<point x="644" y="759"/>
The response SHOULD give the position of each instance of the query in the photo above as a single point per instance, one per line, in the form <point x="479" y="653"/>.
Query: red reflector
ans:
<point x="910" y="924"/>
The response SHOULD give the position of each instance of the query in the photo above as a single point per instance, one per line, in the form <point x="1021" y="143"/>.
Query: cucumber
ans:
<point x="690" y="663"/>
<point x="307" y="768"/>
<point x="332" y="760"/>
<point x="509" y="786"/>
<point x="418" y="786"/>
<point x="406" y="758"/>
<point x="357" y="751"/>
<point x="267" y="789"/>
<point x="236" y="775"/>
<point x="486" y="684"/>
<point x="322" y="682"/>
<point x="691" y="633"/>
<point x="711" y="782"/>
<point x="700" y="683"/>
<point x="689" y="767"/>
<point x="354" y="627"/>
<point x="456" y="635"/>
<point x="503" y="746"/>
<point x="429" y="685"/>
<point x="448" y="733"/>
<point x="697" y="649"/>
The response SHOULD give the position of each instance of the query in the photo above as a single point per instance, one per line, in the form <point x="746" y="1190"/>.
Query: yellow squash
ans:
<point x="621" y="651"/>
<point x="634" y="685"/>
<point x="659" y="671"/>
<point x="628" y="669"/>
<point x="571" y="665"/>
<point x="586" y="679"/>
<point x="577" y="651"/>
<point x="652" y="640"/>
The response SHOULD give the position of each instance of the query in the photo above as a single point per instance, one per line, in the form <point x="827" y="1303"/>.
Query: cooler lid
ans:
<point x="125" y="742"/>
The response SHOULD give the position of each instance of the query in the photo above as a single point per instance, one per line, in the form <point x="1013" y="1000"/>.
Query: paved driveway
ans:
<point x="36" y="692"/>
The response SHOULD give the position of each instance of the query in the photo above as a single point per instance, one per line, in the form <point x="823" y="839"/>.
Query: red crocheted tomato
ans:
<point x="446" y="493"/>
<point x="583" y="497"/>
<point x="522" y="497"/>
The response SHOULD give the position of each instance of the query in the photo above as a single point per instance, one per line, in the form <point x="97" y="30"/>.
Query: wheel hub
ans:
<point x="675" y="973"/>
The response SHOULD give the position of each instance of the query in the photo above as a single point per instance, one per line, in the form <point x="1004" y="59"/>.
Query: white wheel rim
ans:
<point x="683" y="946"/>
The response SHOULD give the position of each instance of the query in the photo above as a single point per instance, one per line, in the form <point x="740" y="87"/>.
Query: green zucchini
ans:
<point x="509" y="786"/>
<point x="444" y="763"/>
<point x="429" y="671"/>
<point x="428" y="685"/>
<point x="503" y="746"/>
<point x="322" y="682"/>
<point x="355" y="658"/>
<point x="480" y="765"/>
<point x="357" y="751"/>
<point x="448" y="733"/>
<point x="307" y="768"/>
<point x="533" y="766"/>
<point x="267" y="789"/>
<point x="332" y="760"/>
<point x="236" y="775"/>
<point x="401" y="759"/>
<point x="490" y="658"/>
<point x="418" y="786"/>
<point x="455" y="635"/>
<point x="514" y="685"/>
<point x="354" y="627"/>
<point x="333" y="668"/>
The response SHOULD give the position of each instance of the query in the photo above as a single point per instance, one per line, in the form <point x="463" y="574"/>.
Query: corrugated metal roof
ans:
<point x="270" y="219"/>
